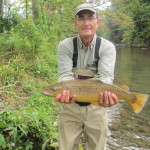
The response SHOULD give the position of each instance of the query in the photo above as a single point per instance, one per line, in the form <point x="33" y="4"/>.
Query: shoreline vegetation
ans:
<point x="131" y="46"/>
<point x="29" y="37"/>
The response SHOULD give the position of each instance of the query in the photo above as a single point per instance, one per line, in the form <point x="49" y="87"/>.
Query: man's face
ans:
<point x="86" y="23"/>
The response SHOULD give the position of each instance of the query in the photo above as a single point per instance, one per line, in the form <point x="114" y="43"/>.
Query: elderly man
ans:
<point x="95" y="54"/>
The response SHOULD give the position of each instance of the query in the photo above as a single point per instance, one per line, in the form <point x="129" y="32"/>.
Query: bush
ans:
<point x="32" y="127"/>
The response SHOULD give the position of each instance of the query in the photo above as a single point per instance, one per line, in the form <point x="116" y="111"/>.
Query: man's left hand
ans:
<point x="108" y="99"/>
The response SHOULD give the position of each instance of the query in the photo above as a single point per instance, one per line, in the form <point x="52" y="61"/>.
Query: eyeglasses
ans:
<point x="81" y="19"/>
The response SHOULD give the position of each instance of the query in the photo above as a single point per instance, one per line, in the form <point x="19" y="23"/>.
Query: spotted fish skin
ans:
<point x="89" y="90"/>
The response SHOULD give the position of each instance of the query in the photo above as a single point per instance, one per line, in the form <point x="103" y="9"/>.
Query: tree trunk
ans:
<point x="1" y="16"/>
<point x="35" y="9"/>
<point x="26" y="9"/>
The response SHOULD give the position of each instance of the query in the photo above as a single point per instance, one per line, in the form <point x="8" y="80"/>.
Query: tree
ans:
<point x="1" y="16"/>
<point x="130" y="20"/>
<point x="35" y="9"/>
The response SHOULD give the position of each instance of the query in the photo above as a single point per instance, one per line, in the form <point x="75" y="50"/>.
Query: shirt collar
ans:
<point x="92" y="44"/>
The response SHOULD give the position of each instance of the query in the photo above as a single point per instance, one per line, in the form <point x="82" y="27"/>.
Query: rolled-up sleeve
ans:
<point x="65" y="52"/>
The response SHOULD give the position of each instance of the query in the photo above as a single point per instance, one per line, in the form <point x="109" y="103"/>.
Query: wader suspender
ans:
<point x="96" y="56"/>
<point x="75" y="52"/>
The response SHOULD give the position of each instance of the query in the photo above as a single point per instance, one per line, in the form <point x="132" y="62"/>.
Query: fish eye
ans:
<point x="54" y="89"/>
<point x="57" y="88"/>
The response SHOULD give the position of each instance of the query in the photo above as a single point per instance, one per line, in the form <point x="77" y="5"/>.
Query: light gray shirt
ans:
<point x="106" y="64"/>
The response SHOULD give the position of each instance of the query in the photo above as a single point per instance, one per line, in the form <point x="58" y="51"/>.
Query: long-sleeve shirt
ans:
<point x="106" y="64"/>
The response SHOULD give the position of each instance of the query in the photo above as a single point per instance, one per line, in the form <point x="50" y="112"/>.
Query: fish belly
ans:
<point x="86" y="94"/>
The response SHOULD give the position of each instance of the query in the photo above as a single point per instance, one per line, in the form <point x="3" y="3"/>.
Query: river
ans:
<point x="128" y="130"/>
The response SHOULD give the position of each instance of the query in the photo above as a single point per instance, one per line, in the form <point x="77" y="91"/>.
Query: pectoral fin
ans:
<point x="95" y="103"/>
<point x="125" y="87"/>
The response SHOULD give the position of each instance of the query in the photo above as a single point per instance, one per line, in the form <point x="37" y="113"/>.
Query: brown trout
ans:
<point x="89" y="90"/>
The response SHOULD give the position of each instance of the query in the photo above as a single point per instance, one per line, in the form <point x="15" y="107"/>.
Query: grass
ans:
<point x="28" y="119"/>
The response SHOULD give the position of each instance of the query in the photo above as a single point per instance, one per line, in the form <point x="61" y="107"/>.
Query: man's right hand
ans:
<point x="64" y="97"/>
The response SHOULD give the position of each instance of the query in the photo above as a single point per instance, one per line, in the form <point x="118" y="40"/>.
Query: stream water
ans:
<point x="128" y="130"/>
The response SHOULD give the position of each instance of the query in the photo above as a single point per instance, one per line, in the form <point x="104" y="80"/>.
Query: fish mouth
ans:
<point x="47" y="93"/>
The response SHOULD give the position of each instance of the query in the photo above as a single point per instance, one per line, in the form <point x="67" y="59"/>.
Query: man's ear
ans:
<point x="98" y="21"/>
<point x="75" y="22"/>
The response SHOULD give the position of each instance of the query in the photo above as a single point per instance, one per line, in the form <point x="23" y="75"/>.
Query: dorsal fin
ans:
<point x="94" y="80"/>
<point x="125" y="87"/>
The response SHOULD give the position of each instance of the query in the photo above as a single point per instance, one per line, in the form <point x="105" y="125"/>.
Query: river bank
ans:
<point x="132" y="46"/>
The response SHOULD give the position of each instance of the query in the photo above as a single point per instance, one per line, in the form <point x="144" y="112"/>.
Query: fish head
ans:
<point x="53" y="90"/>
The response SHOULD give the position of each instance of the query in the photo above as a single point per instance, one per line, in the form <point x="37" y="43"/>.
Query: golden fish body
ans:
<point x="89" y="90"/>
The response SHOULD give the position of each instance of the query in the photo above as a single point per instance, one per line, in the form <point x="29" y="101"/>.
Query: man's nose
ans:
<point x="86" y="21"/>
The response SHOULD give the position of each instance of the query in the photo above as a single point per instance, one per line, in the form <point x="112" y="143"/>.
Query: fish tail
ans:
<point x="139" y="102"/>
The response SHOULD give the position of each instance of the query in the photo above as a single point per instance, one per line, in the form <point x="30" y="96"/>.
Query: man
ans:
<point x="86" y="118"/>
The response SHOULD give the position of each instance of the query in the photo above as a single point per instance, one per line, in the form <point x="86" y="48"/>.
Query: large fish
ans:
<point x="89" y="90"/>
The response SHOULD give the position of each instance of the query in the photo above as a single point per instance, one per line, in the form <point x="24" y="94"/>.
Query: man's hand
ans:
<point x="108" y="99"/>
<point x="64" y="97"/>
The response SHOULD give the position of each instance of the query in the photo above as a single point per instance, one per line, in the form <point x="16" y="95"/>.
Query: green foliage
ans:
<point x="28" y="39"/>
<point x="2" y="140"/>
<point x="8" y="18"/>
<point x="56" y="20"/>
<point x="141" y="16"/>
<point x="28" y="61"/>
<point x="128" y="22"/>
<point x="32" y="127"/>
